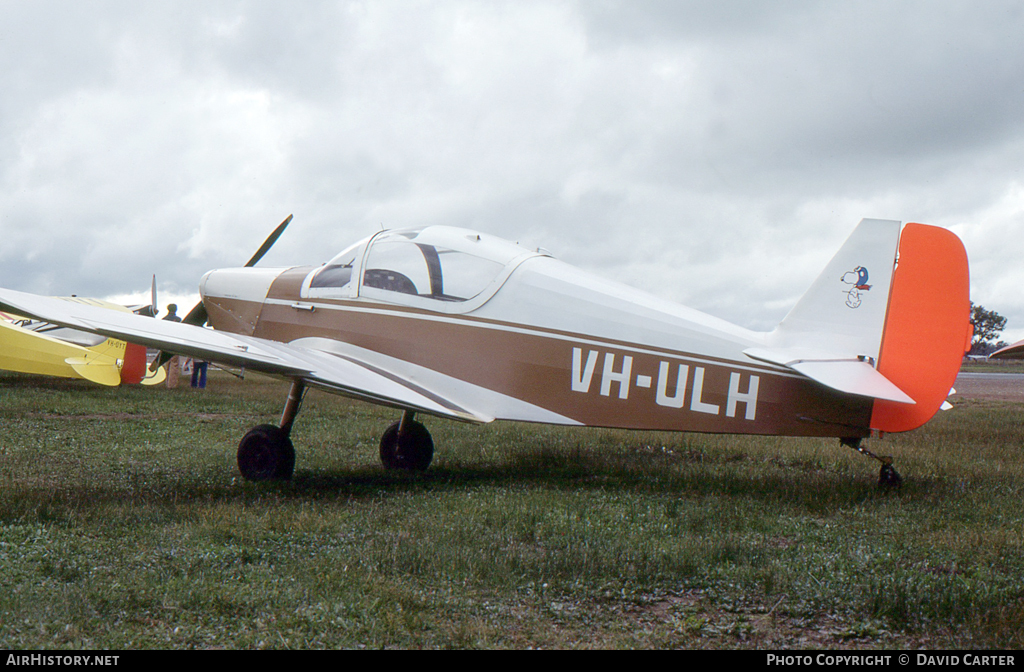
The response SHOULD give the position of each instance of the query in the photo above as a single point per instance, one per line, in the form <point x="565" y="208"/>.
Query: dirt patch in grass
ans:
<point x="765" y="622"/>
<point x="201" y="417"/>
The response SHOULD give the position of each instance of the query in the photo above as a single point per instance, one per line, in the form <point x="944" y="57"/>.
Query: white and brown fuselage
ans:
<point x="550" y="344"/>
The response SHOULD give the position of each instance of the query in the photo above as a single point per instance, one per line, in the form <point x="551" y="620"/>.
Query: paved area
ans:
<point x="1000" y="386"/>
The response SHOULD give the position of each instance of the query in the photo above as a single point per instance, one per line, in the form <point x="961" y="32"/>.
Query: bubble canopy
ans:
<point x="432" y="267"/>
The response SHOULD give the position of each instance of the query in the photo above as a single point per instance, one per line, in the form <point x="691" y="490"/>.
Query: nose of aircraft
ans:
<point x="234" y="296"/>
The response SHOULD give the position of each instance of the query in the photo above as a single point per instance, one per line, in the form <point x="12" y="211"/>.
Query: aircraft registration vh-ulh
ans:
<point x="458" y="324"/>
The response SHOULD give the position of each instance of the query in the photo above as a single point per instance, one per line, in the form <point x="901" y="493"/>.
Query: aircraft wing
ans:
<point x="342" y="374"/>
<point x="1014" y="351"/>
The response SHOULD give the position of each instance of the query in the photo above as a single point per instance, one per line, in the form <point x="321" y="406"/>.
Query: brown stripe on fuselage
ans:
<point x="537" y="366"/>
<point x="288" y="285"/>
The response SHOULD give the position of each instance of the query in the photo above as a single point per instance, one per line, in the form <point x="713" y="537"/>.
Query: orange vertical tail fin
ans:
<point x="927" y="327"/>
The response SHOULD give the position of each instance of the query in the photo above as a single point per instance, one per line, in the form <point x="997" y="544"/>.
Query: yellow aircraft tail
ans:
<point x="31" y="352"/>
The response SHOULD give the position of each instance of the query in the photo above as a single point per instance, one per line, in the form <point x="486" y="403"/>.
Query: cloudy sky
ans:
<point x="715" y="153"/>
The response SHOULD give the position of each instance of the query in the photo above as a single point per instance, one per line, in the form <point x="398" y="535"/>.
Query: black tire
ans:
<point x="413" y="453"/>
<point x="888" y="477"/>
<point x="265" y="453"/>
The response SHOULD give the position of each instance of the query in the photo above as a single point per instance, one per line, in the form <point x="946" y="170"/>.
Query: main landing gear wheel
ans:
<point x="406" y="445"/>
<point x="266" y="454"/>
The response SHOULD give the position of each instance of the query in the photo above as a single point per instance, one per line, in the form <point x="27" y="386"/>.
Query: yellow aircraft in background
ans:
<point x="34" y="346"/>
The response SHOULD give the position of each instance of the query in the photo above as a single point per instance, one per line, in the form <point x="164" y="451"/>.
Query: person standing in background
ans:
<point x="173" y="366"/>
<point x="199" y="374"/>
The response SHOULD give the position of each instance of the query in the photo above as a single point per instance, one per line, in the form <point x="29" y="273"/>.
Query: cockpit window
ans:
<point x="338" y="271"/>
<point x="466" y="275"/>
<point x="439" y="263"/>
<point x="333" y="276"/>
<point x="396" y="266"/>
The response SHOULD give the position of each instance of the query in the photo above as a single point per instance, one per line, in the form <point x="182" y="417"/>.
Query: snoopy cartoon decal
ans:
<point x="858" y="279"/>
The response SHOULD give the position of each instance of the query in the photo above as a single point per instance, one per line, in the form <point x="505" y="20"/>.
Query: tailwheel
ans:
<point x="266" y="454"/>
<point x="888" y="477"/>
<point x="406" y="445"/>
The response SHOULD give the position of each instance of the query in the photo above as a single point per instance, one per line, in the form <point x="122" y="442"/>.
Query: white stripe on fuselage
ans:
<point x="540" y="332"/>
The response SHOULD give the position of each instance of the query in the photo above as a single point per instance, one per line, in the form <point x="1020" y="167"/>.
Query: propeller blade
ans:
<point x="198" y="315"/>
<point x="269" y="242"/>
<point x="162" y="358"/>
<point x="151" y="309"/>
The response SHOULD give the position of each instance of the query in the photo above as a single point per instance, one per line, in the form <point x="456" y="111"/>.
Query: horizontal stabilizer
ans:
<point x="102" y="370"/>
<point x="155" y="377"/>
<point x="851" y="375"/>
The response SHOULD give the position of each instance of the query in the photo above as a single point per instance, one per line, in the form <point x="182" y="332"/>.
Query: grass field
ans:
<point x="123" y="524"/>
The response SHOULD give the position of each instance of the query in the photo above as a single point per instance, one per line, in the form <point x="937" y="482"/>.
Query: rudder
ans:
<point x="927" y="326"/>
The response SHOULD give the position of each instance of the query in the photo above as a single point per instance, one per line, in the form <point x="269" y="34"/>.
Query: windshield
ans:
<point x="338" y="271"/>
<point x="440" y="263"/>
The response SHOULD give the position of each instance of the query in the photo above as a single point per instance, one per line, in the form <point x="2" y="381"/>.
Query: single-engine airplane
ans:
<point x="458" y="324"/>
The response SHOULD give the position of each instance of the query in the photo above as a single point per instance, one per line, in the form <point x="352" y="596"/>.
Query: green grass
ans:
<point x="123" y="524"/>
<point x="994" y="366"/>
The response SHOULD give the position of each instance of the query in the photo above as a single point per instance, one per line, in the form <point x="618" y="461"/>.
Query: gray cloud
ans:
<point x="713" y="153"/>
